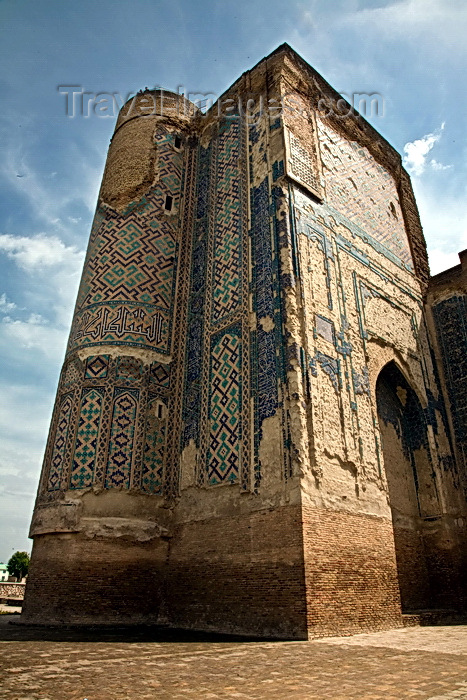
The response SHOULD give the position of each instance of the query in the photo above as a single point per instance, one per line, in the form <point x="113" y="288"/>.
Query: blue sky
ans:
<point x="412" y="52"/>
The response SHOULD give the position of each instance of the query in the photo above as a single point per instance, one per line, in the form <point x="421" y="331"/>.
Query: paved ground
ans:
<point x="9" y="608"/>
<point x="426" y="663"/>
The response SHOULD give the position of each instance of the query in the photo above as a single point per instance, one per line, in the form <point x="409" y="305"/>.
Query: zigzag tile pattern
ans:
<point x="134" y="259"/>
<point x="84" y="461"/>
<point x="126" y="294"/>
<point x="61" y="435"/>
<point x="154" y="448"/>
<point x="122" y="434"/>
<point x="223" y="463"/>
<point x="227" y="241"/>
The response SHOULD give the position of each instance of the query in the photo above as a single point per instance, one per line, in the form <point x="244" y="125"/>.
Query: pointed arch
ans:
<point x="411" y="482"/>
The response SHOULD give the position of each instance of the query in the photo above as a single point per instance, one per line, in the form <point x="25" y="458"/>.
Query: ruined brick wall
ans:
<point x="103" y="578"/>
<point x="447" y="301"/>
<point x="238" y="515"/>
<point x="106" y="470"/>
<point x="447" y="317"/>
<point x="252" y="274"/>
<point x="356" y="306"/>
<point x="12" y="590"/>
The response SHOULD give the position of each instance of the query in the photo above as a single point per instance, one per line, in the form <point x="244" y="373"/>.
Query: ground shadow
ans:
<point x="12" y="630"/>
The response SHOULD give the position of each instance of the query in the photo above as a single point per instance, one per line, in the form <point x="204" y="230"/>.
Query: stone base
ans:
<point x="245" y="574"/>
<point x="76" y="580"/>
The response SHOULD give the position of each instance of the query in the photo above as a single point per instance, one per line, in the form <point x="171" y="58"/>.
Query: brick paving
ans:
<point x="426" y="663"/>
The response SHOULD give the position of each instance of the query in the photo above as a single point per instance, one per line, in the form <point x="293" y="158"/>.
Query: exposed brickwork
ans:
<point x="351" y="575"/>
<point x="412" y="569"/>
<point x="251" y="432"/>
<point x="414" y="229"/>
<point x="76" y="580"/>
<point x="239" y="574"/>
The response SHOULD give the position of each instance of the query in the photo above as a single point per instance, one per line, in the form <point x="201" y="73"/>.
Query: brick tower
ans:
<point x="251" y="432"/>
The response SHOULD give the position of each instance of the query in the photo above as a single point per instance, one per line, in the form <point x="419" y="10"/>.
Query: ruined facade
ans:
<point x="260" y="425"/>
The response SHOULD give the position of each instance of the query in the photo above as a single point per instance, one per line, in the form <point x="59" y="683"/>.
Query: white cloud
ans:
<point x="416" y="153"/>
<point x="5" y="305"/>
<point x="39" y="251"/>
<point x="438" y="166"/>
<point x="444" y="20"/>
<point x="34" y="334"/>
<point x="444" y="220"/>
<point x="53" y="270"/>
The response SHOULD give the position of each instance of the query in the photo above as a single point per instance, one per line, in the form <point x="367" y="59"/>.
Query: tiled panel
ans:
<point x="85" y="452"/>
<point x="451" y="324"/>
<point x="227" y="238"/>
<point x="122" y="432"/>
<point x="126" y="293"/>
<point x="223" y="460"/>
<point x="61" y="436"/>
<point x="197" y="302"/>
<point x="97" y="366"/>
<point x="154" y="445"/>
<point x="160" y="375"/>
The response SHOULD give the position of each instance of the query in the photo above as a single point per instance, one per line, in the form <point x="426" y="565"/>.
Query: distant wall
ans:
<point x="12" y="590"/>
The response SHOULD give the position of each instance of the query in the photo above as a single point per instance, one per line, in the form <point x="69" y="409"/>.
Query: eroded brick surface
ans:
<point x="259" y="422"/>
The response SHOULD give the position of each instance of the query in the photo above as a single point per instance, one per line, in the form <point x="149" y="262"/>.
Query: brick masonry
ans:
<point x="96" y="582"/>
<point x="258" y="424"/>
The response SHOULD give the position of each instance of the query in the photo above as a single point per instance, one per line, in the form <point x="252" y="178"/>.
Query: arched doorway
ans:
<point x="412" y="487"/>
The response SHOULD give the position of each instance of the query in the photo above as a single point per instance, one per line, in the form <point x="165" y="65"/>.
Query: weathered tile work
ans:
<point x="258" y="405"/>
<point x="126" y="295"/>
<point x="451" y="324"/>
<point x="101" y="429"/>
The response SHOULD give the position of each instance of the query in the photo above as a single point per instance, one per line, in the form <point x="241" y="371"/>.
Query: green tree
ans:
<point x="18" y="565"/>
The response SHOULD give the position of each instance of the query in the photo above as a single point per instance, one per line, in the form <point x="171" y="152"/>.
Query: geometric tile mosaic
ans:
<point x="224" y="409"/>
<point x="197" y="296"/>
<point x="127" y="291"/>
<point x="227" y="240"/>
<point x="73" y="372"/>
<point x="96" y="366"/>
<point x="160" y="375"/>
<point x="265" y="295"/>
<point x="61" y="435"/>
<point x="122" y="433"/>
<point x="451" y="324"/>
<point x="84" y="461"/>
<point x="153" y="454"/>
<point x="129" y="368"/>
